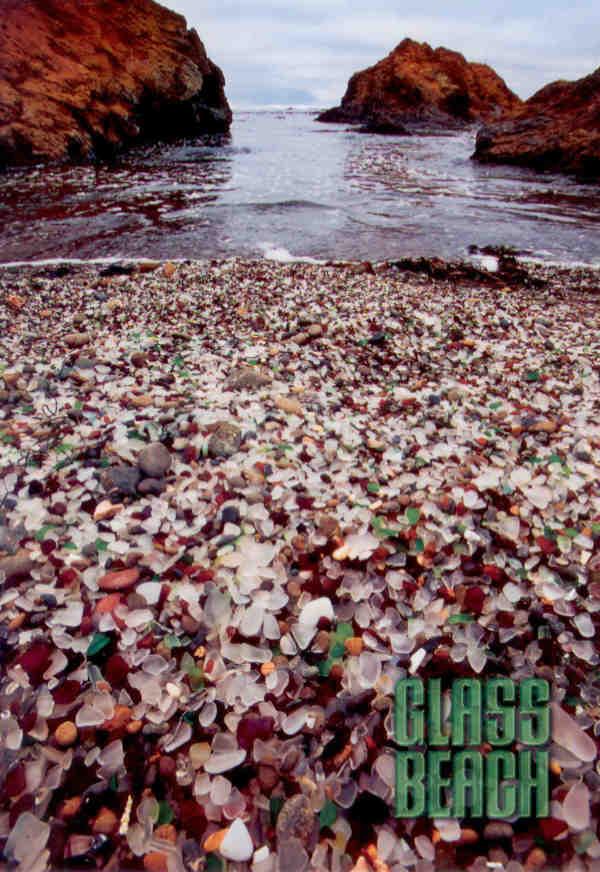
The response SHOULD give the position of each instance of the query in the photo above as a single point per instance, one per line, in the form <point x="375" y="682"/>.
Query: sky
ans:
<point x="277" y="52"/>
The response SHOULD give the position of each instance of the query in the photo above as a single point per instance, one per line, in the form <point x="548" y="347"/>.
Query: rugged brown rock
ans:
<point x="86" y="77"/>
<point x="417" y="85"/>
<point x="556" y="129"/>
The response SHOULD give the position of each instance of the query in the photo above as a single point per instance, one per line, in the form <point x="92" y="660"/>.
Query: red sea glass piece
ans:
<point x="35" y="661"/>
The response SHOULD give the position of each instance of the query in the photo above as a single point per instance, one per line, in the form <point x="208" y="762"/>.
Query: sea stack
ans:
<point x="81" y="80"/>
<point x="556" y="129"/>
<point x="418" y="86"/>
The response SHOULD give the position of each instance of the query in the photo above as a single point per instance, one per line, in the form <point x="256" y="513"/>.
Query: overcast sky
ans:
<point x="281" y="52"/>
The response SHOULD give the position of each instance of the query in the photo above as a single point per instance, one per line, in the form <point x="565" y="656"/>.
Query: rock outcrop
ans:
<point x="83" y="79"/>
<point x="416" y="86"/>
<point x="556" y="129"/>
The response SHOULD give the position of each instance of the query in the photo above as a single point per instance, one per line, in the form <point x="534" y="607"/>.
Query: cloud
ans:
<point x="279" y="52"/>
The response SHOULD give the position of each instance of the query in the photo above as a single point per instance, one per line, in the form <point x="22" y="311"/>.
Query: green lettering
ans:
<point x="500" y="720"/>
<point x="410" y="786"/>
<point x="409" y="726"/>
<point x="500" y="792"/>
<point x="436" y="803"/>
<point x="467" y="784"/>
<point x="534" y="723"/>
<point x="466" y="706"/>
<point x="435" y="736"/>
<point x="528" y="782"/>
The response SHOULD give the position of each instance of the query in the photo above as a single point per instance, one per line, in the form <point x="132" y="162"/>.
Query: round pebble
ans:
<point x="66" y="734"/>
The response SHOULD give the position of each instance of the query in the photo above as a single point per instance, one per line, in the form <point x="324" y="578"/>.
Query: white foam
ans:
<point x="491" y="263"/>
<point x="92" y="261"/>
<point x="561" y="264"/>
<point x="275" y="107"/>
<point x="487" y="262"/>
<point x="61" y="261"/>
<point x="279" y="254"/>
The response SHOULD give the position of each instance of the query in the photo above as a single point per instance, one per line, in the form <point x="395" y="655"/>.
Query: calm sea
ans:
<point x="284" y="185"/>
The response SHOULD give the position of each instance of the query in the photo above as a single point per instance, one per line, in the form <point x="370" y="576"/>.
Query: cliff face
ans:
<point x="416" y="84"/>
<point x="86" y="77"/>
<point x="556" y="129"/>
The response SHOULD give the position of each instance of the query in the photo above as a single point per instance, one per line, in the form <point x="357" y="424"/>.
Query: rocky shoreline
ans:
<point x="557" y="129"/>
<point x="238" y="501"/>
<point x="417" y="87"/>
<point x="101" y="81"/>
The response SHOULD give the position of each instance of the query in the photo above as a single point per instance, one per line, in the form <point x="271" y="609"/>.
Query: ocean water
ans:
<point x="285" y="186"/>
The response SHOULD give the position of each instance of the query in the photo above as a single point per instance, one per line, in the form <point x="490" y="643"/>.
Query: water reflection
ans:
<point x="112" y="209"/>
<point x="430" y="184"/>
<point x="286" y="182"/>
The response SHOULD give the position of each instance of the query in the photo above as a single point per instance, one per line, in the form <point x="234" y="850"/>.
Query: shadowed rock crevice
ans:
<point x="81" y="80"/>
